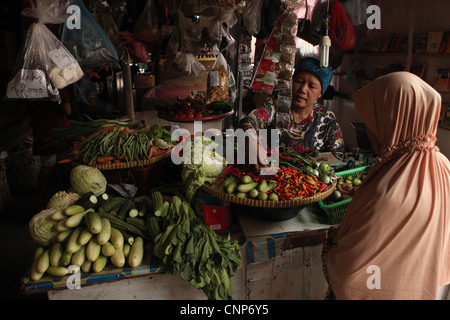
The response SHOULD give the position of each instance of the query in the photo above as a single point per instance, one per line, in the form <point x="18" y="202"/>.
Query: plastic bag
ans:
<point x="89" y="44"/>
<point x="218" y="34"/>
<point x="356" y="10"/>
<point x="146" y="27"/>
<point x="43" y="65"/>
<point x="217" y="83"/>
<point x="251" y="16"/>
<point x="187" y="62"/>
<point x="342" y="34"/>
<point x="136" y="48"/>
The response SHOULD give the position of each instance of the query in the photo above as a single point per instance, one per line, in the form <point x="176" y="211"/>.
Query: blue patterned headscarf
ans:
<point x="311" y="64"/>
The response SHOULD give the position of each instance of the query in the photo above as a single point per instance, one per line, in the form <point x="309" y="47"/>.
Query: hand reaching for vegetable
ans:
<point x="255" y="154"/>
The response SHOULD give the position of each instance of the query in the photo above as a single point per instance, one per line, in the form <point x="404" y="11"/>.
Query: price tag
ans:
<point x="27" y="84"/>
<point x="62" y="58"/>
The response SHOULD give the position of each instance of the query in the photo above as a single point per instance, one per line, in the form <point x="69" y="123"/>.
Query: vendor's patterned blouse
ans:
<point x="320" y="132"/>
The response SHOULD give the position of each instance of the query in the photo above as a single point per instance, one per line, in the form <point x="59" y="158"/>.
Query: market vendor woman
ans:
<point x="312" y="128"/>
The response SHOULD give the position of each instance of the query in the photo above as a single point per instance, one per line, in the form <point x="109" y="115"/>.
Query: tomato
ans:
<point x="198" y="115"/>
<point x="189" y="115"/>
<point x="181" y="115"/>
<point x="189" y="111"/>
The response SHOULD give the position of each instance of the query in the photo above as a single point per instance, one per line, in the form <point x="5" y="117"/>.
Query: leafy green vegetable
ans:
<point x="84" y="179"/>
<point x="201" y="164"/>
<point x="192" y="249"/>
<point x="42" y="225"/>
<point x="158" y="132"/>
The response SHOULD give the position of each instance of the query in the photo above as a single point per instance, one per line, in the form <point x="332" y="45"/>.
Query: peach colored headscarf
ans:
<point x="394" y="242"/>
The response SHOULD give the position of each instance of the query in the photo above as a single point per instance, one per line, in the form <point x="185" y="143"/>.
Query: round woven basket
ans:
<point x="270" y="204"/>
<point x="133" y="164"/>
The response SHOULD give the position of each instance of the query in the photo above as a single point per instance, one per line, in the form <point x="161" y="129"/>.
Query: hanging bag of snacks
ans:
<point x="217" y="85"/>
<point x="43" y="65"/>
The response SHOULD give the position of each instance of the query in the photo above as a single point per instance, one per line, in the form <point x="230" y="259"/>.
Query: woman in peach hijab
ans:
<point x="394" y="242"/>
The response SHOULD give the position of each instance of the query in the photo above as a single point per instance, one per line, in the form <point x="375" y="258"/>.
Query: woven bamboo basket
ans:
<point x="298" y="202"/>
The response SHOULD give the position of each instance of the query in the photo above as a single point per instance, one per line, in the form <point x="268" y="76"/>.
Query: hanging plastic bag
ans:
<point x="43" y="65"/>
<point x="251" y="16"/>
<point x="342" y="34"/>
<point x="187" y="62"/>
<point x="217" y="83"/>
<point x="356" y="10"/>
<point x="136" y="48"/>
<point x="146" y="27"/>
<point x="89" y="44"/>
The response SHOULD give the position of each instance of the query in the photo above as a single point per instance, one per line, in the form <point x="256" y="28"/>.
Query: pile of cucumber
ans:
<point x="247" y="187"/>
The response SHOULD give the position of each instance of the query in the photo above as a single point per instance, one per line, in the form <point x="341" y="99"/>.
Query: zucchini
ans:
<point x="122" y="225"/>
<point x="125" y="208"/>
<point x="157" y="203"/>
<point x="72" y="244"/>
<point x="73" y="209"/>
<point x="253" y="193"/>
<point x="102" y="198"/>
<point x="65" y="259"/>
<point x="79" y="256"/>
<point x="61" y="225"/>
<point x="138" y="223"/>
<point x="58" y="215"/>
<point x="93" y="222"/>
<point x="56" y="252"/>
<point x="246" y="179"/>
<point x="273" y="196"/>
<point x="86" y="266"/>
<point x="99" y="264"/>
<point x="142" y="204"/>
<point x="43" y="262"/>
<point x="126" y="249"/>
<point x="93" y="250"/>
<point x="136" y="252"/>
<point x="75" y="220"/>
<point x="270" y="185"/>
<point x="87" y="200"/>
<point x="63" y="235"/>
<point x="112" y="205"/>
<point x="104" y="235"/>
<point x="118" y="258"/>
<point x="231" y="187"/>
<point x="133" y="213"/>
<point x="57" y="271"/>
<point x="108" y="249"/>
<point x="116" y="238"/>
<point x="38" y="252"/>
<point x="84" y="236"/>
<point x="262" y="186"/>
<point x="229" y="180"/>
<point x="246" y="187"/>
<point x="263" y="196"/>
<point x="153" y="226"/>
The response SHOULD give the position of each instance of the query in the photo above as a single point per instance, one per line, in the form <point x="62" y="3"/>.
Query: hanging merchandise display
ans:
<point x="251" y="16"/>
<point x="275" y="69"/>
<point x="89" y="44"/>
<point x="44" y="65"/>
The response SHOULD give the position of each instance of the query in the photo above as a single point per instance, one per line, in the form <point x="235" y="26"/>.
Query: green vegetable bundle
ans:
<point x="201" y="256"/>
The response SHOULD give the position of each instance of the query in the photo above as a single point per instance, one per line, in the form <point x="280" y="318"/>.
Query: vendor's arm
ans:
<point x="260" y="117"/>
<point x="334" y="140"/>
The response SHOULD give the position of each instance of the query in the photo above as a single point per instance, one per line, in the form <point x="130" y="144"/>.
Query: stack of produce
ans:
<point x="296" y="177"/>
<point x="90" y="229"/>
<point x="194" y="106"/>
<point x="111" y="141"/>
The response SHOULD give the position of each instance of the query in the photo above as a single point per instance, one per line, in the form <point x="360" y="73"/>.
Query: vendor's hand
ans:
<point x="255" y="161"/>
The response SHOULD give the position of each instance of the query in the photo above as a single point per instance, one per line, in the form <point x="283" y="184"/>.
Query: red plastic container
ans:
<point x="214" y="211"/>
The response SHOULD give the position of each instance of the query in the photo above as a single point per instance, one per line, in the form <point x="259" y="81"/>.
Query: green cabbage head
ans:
<point x="84" y="179"/>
